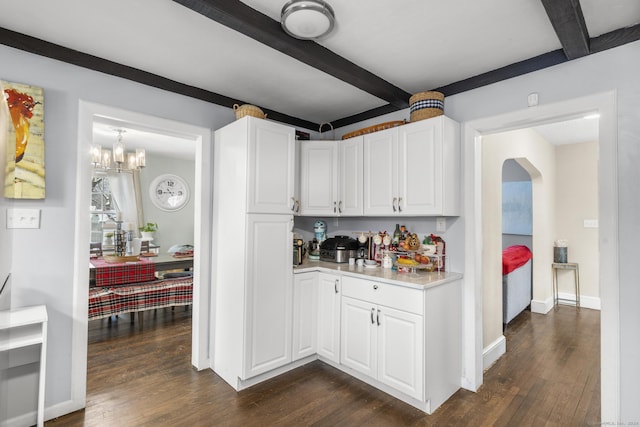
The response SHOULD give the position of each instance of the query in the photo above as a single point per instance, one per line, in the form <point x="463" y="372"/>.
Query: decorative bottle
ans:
<point x="397" y="234"/>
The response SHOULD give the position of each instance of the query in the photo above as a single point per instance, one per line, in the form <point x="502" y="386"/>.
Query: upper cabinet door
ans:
<point x="331" y="177"/>
<point x="420" y="169"/>
<point x="380" y="170"/>
<point x="351" y="177"/>
<point x="272" y="166"/>
<point x="319" y="177"/>
<point x="413" y="170"/>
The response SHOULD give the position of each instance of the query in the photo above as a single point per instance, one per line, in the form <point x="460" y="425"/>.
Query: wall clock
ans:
<point x="169" y="192"/>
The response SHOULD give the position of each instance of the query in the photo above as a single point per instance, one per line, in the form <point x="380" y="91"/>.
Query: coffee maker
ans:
<point x="298" y="251"/>
<point x="320" y="232"/>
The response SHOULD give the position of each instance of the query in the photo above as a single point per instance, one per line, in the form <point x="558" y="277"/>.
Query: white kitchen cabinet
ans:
<point x="413" y="169"/>
<point x="328" y="309"/>
<point x="359" y="336"/>
<point x="251" y="258"/>
<point x="382" y="342"/>
<point x="331" y="182"/>
<point x="271" y="167"/>
<point x="305" y="315"/>
<point x="400" y="350"/>
<point x="268" y="294"/>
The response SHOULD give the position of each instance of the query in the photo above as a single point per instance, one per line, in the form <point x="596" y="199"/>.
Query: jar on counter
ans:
<point x="387" y="262"/>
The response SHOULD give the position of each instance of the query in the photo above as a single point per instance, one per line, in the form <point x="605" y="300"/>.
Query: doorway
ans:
<point x="475" y="243"/>
<point x="88" y="114"/>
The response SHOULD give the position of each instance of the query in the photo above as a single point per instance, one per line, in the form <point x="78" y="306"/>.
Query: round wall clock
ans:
<point x="169" y="192"/>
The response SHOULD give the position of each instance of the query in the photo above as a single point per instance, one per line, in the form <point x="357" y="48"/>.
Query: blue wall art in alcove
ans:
<point x="517" y="211"/>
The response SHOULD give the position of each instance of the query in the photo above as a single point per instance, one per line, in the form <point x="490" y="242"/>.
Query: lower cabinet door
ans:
<point x="329" y="289"/>
<point x="359" y="336"/>
<point x="304" y="315"/>
<point x="400" y="350"/>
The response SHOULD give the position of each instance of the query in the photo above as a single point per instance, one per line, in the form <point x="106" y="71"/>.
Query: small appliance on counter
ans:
<point x="320" y="235"/>
<point x="298" y="251"/>
<point x="338" y="249"/>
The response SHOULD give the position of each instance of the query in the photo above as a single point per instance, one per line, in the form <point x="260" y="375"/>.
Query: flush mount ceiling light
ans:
<point x="307" y="19"/>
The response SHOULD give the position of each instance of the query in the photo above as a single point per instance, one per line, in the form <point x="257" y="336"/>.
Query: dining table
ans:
<point x="144" y="269"/>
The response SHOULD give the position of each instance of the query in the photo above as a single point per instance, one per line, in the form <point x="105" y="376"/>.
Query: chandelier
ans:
<point x="102" y="158"/>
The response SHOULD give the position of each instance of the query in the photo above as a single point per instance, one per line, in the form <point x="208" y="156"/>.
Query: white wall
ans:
<point x="51" y="247"/>
<point x="65" y="85"/>
<point x="5" y="235"/>
<point x="616" y="70"/>
<point x="576" y="201"/>
<point x="536" y="156"/>
<point x="175" y="227"/>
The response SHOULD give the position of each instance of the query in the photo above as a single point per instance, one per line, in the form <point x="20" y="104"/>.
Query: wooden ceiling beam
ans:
<point x="85" y="60"/>
<point x="568" y="22"/>
<point x="240" y="17"/>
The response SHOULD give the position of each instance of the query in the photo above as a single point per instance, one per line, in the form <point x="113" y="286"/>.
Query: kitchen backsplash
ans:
<point x="347" y="226"/>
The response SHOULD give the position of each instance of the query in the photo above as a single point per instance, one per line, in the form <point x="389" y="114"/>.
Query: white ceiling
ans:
<point x="414" y="45"/>
<point x="105" y="133"/>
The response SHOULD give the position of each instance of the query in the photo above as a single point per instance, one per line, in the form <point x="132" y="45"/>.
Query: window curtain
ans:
<point x="125" y="188"/>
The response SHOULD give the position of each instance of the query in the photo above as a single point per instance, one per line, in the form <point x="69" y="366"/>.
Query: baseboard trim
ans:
<point x="585" y="301"/>
<point x="542" y="307"/>
<point x="50" y="412"/>
<point x="493" y="351"/>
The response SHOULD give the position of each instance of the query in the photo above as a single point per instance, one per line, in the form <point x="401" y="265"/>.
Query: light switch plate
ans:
<point x="441" y="224"/>
<point x="590" y="223"/>
<point x="23" y="218"/>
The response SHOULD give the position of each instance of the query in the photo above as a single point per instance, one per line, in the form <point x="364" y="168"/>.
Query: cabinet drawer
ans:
<point x="386" y="294"/>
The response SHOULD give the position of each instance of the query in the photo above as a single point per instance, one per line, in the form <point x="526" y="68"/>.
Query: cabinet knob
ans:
<point x="375" y="287"/>
<point x="340" y="206"/>
<point x="378" y="318"/>
<point x="335" y="285"/>
<point x="372" y="311"/>
<point x="400" y="204"/>
<point x="393" y="204"/>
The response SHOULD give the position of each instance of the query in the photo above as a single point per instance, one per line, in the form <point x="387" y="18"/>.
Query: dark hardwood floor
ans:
<point x="550" y="376"/>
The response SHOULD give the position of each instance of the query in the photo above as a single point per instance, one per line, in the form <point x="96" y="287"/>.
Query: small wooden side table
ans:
<point x="576" y="272"/>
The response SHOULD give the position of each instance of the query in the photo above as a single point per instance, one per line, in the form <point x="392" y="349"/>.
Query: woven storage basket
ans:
<point x="248" y="110"/>
<point x="424" y="105"/>
<point x="374" y="128"/>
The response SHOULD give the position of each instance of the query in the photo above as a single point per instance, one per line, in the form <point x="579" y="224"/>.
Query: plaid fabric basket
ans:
<point x="424" y="105"/>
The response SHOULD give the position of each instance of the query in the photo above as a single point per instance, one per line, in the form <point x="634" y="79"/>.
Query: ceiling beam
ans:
<point x="568" y="22"/>
<point x="240" y="17"/>
<point x="84" y="60"/>
<point x="40" y="47"/>
<point x="615" y="38"/>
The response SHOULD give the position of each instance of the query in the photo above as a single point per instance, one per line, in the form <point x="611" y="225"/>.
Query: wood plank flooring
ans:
<point x="550" y="376"/>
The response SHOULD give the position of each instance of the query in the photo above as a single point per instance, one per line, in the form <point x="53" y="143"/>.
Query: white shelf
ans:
<point x="24" y="327"/>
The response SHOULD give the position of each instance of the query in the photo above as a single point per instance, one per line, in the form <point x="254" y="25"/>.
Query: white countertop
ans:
<point x="418" y="280"/>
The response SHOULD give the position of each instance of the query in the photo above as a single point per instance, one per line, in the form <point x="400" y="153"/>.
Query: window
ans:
<point x="103" y="206"/>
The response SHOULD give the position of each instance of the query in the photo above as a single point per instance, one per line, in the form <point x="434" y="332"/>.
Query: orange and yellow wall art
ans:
<point x="22" y="132"/>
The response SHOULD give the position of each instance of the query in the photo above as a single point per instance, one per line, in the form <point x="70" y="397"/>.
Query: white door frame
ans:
<point x="605" y="105"/>
<point x="202" y="234"/>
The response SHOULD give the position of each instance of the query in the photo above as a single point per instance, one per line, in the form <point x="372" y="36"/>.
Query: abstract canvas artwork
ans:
<point x="22" y="139"/>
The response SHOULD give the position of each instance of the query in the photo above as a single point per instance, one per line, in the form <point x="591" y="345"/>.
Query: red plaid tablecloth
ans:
<point x="109" y="301"/>
<point x="109" y="274"/>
